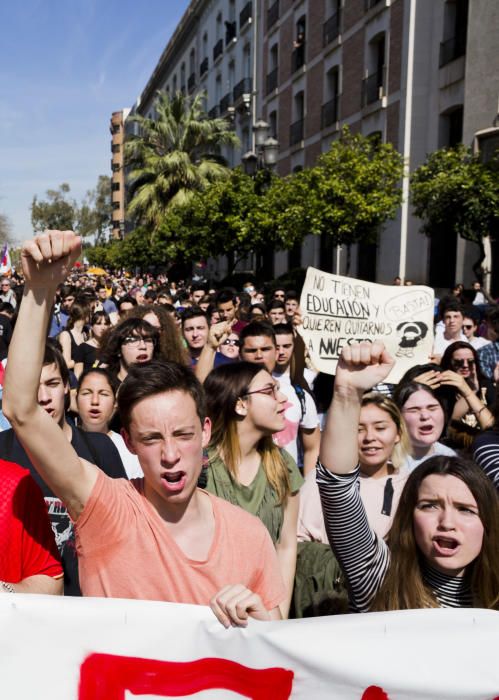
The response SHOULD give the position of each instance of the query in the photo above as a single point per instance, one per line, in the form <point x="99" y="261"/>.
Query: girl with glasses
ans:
<point x="464" y="390"/>
<point x="245" y="467"/>
<point x="230" y="346"/>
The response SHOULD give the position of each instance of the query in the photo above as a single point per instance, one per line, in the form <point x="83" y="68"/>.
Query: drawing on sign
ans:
<point x="412" y="333"/>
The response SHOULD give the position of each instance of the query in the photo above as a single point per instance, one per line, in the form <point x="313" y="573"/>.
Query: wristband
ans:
<point x="477" y="413"/>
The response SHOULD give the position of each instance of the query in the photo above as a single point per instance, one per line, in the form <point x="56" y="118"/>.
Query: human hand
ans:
<point x="450" y="378"/>
<point x="234" y="604"/>
<point x="48" y="258"/>
<point x="219" y="332"/>
<point x="430" y="378"/>
<point x="363" y="365"/>
<point x="297" y="319"/>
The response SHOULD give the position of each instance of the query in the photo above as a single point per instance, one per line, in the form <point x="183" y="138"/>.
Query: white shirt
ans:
<point x="288" y="438"/>
<point x="441" y="343"/>
<point x="130" y="461"/>
<point x="438" y="450"/>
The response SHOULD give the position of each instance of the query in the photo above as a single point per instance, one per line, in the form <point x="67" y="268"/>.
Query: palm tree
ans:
<point x="174" y="155"/>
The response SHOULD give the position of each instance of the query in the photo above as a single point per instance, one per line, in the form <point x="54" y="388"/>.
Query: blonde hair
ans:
<point x="403" y="447"/>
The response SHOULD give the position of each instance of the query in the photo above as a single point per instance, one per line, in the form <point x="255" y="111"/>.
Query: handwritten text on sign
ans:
<point x="338" y="311"/>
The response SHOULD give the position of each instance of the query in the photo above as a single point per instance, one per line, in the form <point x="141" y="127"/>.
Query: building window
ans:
<point x="182" y="78"/>
<point x="273" y="124"/>
<point x="331" y="27"/>
<point x="115" y="186"/>
<point x="115" y="148"/>
<point x="272" y="13"/>
<point x="455" y="31"/>
<point x="299" y="44"/>
<point x="296" y="129"/>
<point x="451" y="127"/>
<point x="330" y="109"/>
<point x="245" y="15"/>
<point x="174" y="83"/>
<point x="116" y="205"/>
<point x="273" y="74"/>
<point x="373" y="87"/>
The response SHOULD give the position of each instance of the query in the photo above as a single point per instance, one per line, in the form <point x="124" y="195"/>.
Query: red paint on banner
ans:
<point x="107" y="677"/>
<point x="374" y="692"/>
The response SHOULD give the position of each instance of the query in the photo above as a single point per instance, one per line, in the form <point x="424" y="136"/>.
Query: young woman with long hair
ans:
<point x="88" y="350"/>
<point x="244" y="465"/>
<point x="96" y="405"/>
<point x="441" y="550"/>
<point x="75" y="333"/>
<point x="424" y="416"/>
<point x="383" y="449"/>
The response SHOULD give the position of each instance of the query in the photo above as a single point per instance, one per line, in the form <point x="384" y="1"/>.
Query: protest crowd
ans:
<point x="174" y="442"/>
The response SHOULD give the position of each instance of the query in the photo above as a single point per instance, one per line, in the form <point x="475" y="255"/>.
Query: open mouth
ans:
<point x="445" y="546"/>
<point x="426" y="429"/>
<point x="142" y="358"/>
<point x="94" y="413"/>
<point x="173" y="482"/>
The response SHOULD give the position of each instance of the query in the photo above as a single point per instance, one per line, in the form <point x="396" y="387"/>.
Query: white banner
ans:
<point x="339" y="310"/>
<point x="101" y="649"/>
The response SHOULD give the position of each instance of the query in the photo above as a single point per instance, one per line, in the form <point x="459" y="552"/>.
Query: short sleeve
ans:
<point x="310" y="418"/>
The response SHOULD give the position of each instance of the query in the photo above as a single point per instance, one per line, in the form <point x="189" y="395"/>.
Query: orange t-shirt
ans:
<point x="126" y="551"/>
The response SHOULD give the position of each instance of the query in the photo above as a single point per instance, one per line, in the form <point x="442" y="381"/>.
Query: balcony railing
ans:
<point x="218" y="49"/>
<point x="369" y="4"/>
<point x="245" y="15"/>
<point x="243" y="87"/>
<point x="272" y="14"/>
<point x="272" y="80"/>
<point x="373" y="87"/>
<point x="330" y="112"/>
<point x="203" y="66"/>
<point x="296" y="132"/>
<point x="298" y="58"/>
<point x="451" y="49"/>
<point x="331" y="28"/>
<point x="214" y="112"/>
<point x="191" y="82"/>
<point x="225" y="103"/>
<point x="230" y="32"/>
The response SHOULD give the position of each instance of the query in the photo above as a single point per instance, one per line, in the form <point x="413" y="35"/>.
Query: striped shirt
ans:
<point x="362" y="555"/>
<point x="486" y="454"/>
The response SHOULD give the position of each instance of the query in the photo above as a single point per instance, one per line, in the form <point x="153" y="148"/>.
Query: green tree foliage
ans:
<point x="351" y="192"/>
<point x="57" y="211"/>
<point x="455" y="194"/>
<point x="175" y="155"/>
<point x="95" y="213"/>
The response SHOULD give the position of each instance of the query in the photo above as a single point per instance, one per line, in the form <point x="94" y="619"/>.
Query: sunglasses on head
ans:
<point x="462" y="363"/>
<point x="231" y="341"/>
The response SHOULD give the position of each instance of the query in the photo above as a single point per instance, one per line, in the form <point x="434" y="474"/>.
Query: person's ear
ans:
<point x="128" y="441"/>
<point x="241" y="408"/>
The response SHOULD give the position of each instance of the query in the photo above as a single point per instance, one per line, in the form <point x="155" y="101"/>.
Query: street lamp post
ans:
<point x="263" y="158"/>
<point x="266" y="150"/>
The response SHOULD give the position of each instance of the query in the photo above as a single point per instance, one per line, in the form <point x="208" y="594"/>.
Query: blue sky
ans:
<point x="65" y="66"/>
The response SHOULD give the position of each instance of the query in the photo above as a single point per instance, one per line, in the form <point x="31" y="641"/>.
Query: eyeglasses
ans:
<point x="466" y="327"/>
<point x="135" y="340"/>
<point x="459" y="364"/>
<point x="270" y="390"/>
<point x="231" y="341"/>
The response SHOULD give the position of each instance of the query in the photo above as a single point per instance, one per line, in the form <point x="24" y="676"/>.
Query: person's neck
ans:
<point x="420" y="451"/>
<point x="66" y="429"/>
<point x="99" y="428"/>
<point x="195" y="352"/>
<point x="377" y="471"/>
<point x="122" y="374"/>
<point x="454" y="335"/>
<point x="280" y="370"/>
<point x="249" y="439"/>
<point x="178" y="515"/>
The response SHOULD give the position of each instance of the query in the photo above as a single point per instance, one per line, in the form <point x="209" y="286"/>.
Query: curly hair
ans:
<point x="110" y="349"/>
<point x="171" y="346"/>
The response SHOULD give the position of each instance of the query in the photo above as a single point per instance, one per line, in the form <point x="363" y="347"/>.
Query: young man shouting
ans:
<point x="158" y="538"/>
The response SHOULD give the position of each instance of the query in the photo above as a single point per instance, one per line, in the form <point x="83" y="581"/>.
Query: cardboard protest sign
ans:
<point x="337" y="311"/>
<point x="102" y="649"/>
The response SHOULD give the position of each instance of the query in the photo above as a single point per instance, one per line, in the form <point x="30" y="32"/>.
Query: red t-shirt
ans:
<point x="27" y="544"/>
